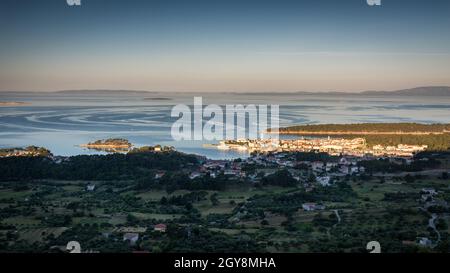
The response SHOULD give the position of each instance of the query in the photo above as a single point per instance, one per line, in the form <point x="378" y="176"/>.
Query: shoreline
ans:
<point x="338" y="133"/>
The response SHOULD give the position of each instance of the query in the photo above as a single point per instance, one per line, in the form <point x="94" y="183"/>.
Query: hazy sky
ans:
<point x="227" y="45"/>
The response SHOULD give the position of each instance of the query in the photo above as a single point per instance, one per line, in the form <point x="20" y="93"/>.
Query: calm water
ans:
<point x="60" y="122"/>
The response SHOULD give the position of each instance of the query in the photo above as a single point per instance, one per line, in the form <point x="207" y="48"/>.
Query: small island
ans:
<point x="111" y="144"/>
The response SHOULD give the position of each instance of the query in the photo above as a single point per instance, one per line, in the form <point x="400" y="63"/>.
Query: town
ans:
<point x="333" y="146"/>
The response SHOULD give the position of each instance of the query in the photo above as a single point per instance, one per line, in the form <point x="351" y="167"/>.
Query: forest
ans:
<point x="117" y="166"/>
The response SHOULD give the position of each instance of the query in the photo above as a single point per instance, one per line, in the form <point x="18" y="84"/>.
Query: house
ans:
<point x="330" y="166"/>
<point x="288" y="164"/>
<point x="312" y="206"/>
<point x="423" y="241"/>
<point x="323" y="180"/>
<point x="308" y="206"/>
<point x="344" y="169"/>
<point x="194" y="175"/>
<point x="159" y="175"/>
<point x="429" y="191"/>
<point x="317" y="166"/>
<point x="232" y="172"/>
<point x="344" y="161"/>
<point x="160" y="227"/>
<point x="90" y="187"/>
<point x="131" y="238"/>
<point x="354" y="169"/>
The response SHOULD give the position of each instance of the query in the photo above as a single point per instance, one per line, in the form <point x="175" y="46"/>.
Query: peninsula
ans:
<point x="367" y="129"/>
<point x="435" y="136"/>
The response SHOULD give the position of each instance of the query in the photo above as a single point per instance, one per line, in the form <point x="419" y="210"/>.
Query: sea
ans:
<point x="61" y="121"/>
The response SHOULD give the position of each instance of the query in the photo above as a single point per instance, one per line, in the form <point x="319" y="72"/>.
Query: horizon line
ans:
<point x="218" y="92"/>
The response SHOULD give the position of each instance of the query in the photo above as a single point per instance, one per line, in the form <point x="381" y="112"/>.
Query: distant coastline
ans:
<point x="14" y="103"/>
<point x="423" y="91"/>
<point x="103" y="92"/>
<point x="426" y="91"/>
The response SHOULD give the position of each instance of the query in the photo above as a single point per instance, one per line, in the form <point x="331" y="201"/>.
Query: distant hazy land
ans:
<point x="13" y="103"/>
<point x="104" y="92"/>
<point x="428" y="91"/>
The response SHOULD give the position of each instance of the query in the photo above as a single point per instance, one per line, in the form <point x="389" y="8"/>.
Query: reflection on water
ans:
<point x="108" y="150"/>
<point x="61" y="122"/>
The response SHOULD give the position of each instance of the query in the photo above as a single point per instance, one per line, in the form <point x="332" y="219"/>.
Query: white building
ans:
<point x="312" y="207"/>
<point x="131" y="237"/>
<point x="423" y="241"/>
<point x="194" y="175"/>
<point x="323" y="180"/>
